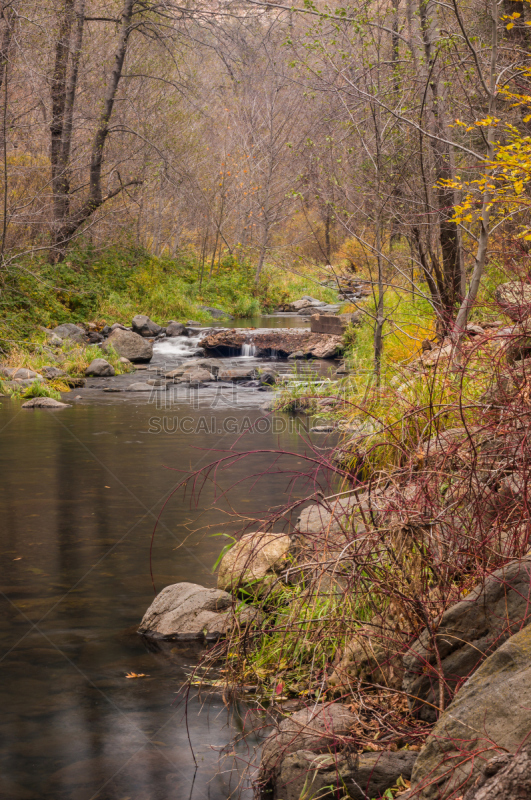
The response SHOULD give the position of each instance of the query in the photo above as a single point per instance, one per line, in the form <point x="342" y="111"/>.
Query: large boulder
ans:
<point x="308" y="755"/>
<point x="189" y="611"/>
<point x="356" y="776"/>
<point x="130" y="345"/>
<point x="515" y="299"/>
<point x="145" y="326"/>
<point x="504" y="777"/>
<point x="99" y="368"/>
<point x="255" y="558"/>
<point x="489" y="716"/>
<point x="69" y="331"/>
<point x="466" y="634"/>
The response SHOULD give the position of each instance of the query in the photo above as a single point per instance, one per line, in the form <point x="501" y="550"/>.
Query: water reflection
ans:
<point x="79" y="494"/>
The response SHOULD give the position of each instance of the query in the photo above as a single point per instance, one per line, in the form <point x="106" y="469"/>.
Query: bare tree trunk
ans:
<point x="482" y="248"/>
<point x="95" y="196"/>
<point x="379" y="321"/>
<point x="448" y="233"/>
<point x="58" y="92"/>
<point x="6" y="23"/>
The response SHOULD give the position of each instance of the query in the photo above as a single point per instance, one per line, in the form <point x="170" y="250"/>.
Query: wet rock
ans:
<point x="467" y="633"/>
<point x="237" y="374"/>
<point x="145" y="387"/>
<point x="296" y="355"/>
<point x="314" y="729"/>
<point x="99" y="368"/>
<point x="488" y="716"/>
<point x="515" y="299"/>
<point x="51" y="373"/>
<point x="268" y="341"/>
<point x="189" y="611"/>
<point x="256" y="557"/>
<point x="196" y="376"/>
<point x="175" y="329"/>
<point x="44" y="402"/>
<point x="361" y="776"/>
<point x="268" y="377"/>
<point x="130" y="345"/>
<point x="144" y="326"/>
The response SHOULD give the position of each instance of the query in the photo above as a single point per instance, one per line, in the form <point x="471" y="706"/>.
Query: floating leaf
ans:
<point x="136" y="675"/>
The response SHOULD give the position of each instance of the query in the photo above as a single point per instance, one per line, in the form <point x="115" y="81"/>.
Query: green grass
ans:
<point x="114" y="284"/>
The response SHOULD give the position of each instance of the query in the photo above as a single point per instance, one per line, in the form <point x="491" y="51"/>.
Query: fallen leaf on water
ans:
<point x="136" y="675"/>
<point x="17" y="559"/>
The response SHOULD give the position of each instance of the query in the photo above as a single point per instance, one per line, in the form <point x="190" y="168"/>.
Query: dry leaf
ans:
<point x="136" y="675"/>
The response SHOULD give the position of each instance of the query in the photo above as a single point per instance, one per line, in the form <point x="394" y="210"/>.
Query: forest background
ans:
<point x="156" y="156"/>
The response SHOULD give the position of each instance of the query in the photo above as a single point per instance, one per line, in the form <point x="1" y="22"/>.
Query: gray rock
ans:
<point x="175" y="329"/>
<point x="189" y="611"/>
<point x="99" y="368"/>
<point x="268" y="377"/>
<point x="130" y="345"/>
<point x="489" y="715"/>
<point x="515" y="299"/>
<point x="50" y="373"/>
<point x="196" y="376"/>
<point x="145" y="387"/>
<point x="361" y="776"/>
<point x="217" y="313"/>
<point x="69" y="331"/>
<point x="19" y="373"/>
<point x="237" y="374"/>
<point x="117" y="326"/>
<point x="51" y="337"/>
<point x="315" y="729"/>
<point x="144" y="326"/>
<point x="504" y="777"/>
<point x="297" y="354"/>
<point x="466" y="634"/>
<point x="44" y="402"/>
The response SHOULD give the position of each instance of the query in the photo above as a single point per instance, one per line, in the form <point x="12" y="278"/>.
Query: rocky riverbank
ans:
<point x="410" y="585"/>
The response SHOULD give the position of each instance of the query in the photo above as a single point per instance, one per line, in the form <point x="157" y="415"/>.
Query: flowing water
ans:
<point x="79" y="495"/>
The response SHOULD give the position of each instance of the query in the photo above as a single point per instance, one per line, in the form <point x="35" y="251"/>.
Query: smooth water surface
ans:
<point x="79" y="495"/>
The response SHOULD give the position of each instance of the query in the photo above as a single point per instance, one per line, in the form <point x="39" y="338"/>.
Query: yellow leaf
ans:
<point x="510" y="25"/>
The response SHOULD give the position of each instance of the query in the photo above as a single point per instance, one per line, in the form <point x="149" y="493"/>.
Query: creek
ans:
<point x="79" y="496"/>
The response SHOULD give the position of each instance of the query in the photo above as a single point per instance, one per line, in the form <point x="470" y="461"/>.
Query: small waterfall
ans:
<point x="248" y="350"/>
